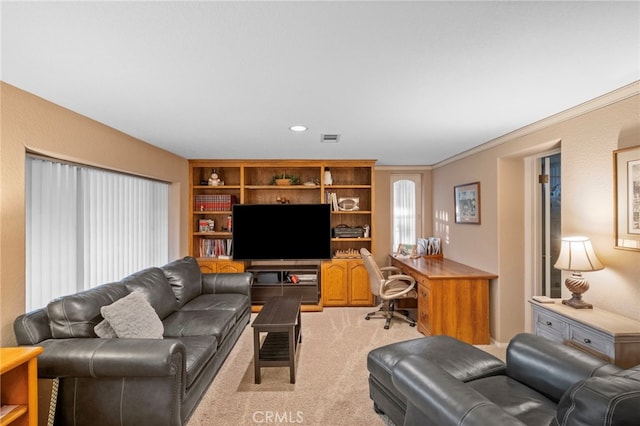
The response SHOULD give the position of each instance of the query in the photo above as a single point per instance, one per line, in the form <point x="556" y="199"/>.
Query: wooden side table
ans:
<point x="19" y="385"/>
<point x="280" y="319"/>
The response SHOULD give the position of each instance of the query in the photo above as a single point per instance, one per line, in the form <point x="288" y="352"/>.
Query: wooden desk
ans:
<point x="453" y="298"/>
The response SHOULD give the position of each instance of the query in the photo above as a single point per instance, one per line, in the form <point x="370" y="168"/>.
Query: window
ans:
<point x="406" y="209"/>
<point x="88" y="226"/>
<point x="550" y="231"/>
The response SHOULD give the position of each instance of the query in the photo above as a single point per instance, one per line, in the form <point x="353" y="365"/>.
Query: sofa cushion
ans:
<point x="609" y="400"/>
<point x="133" y="317"/>
<point x="526" y="404"/>
<point x="104" y="330"/>
<point x="199" y="323"/>
<point x="550" y="368"/>
<point x="185" y="278"/>
<point x="238" y="303"/>
<point x="77" y="314"/>
<point x="156" y="288"/>
<point x="199" y="350"/>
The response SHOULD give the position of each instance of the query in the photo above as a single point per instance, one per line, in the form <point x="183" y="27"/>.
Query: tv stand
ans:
<point x="270" y="280"/>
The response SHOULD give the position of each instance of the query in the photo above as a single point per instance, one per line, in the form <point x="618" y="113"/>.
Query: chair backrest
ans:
<point x="375" y="275"/>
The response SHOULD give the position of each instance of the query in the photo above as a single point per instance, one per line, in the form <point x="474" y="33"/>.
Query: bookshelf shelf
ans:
<point x="365" y="212"/>
<point x="348" y="187"/>
<point x="214" y="234"/>
<point x="283" y="187"/>
<point x="281" y="280"/>
<point x="217" y="188"/>
<point x="212" y="212"/>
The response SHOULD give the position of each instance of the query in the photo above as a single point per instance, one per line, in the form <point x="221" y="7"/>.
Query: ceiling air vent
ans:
<point x="330" y="138"/>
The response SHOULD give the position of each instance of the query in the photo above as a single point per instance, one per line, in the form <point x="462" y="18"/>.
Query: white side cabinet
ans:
<point x="595" y="331"/>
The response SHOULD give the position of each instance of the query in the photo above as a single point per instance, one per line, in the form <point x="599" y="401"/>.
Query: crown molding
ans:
<point x="609" y="98"/>
<point x="404" y="168"/>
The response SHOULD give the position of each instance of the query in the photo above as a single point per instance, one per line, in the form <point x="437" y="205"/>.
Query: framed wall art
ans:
<point x="626" y="192"/>
<point x="467" y="203"/>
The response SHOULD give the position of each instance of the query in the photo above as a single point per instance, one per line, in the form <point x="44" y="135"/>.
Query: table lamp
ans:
<point x="577" y="255"/>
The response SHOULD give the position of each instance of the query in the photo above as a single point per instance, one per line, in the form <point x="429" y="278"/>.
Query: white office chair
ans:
<point x="389" y="285"/>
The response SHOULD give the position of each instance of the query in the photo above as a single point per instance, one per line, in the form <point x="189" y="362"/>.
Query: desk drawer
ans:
<point x="549" y="334"/>
<point x="591" y="340"/>
<point x="551" y="324"/>
<point x="424" y="309"/>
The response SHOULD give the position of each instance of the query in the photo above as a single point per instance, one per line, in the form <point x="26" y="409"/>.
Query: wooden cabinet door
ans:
<point x="208" y="266"/>
<point x="230" y="266"/>
<point x="359" y="285"/>
<point x="213" y="266"/>
<point x="334" y="283"/>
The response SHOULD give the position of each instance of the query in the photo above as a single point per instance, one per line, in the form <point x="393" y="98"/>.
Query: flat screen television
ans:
<point x="281" y="232"/>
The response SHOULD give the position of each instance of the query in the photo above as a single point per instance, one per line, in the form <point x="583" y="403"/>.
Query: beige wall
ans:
<point x="31" y="123"/>
<point x="587" y="136"/>
<point x="382" y="226"/>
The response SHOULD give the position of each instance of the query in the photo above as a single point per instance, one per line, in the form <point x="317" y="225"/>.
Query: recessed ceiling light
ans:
<point x="298" y="128"/>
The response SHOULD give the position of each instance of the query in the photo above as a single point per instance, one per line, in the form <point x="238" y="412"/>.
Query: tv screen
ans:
<point x="281" y="231"/>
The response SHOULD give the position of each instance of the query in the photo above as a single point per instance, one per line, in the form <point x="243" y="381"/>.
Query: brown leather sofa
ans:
<point x="139" y="381"/>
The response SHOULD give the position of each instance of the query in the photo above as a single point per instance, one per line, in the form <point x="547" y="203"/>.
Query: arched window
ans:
<point x="406" y="211"/>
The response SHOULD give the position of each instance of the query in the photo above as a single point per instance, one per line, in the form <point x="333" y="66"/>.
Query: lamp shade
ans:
<point x="576" y="254"/>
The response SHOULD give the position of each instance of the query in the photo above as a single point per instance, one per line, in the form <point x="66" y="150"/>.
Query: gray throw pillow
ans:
<point x="104" y="330"/>
<point x="133" y="317"/>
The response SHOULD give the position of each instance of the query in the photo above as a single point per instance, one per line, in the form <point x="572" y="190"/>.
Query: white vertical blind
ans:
<point x="127" y="221"/>
<point x="86" y="227"/>
<point x="51" y="231"/>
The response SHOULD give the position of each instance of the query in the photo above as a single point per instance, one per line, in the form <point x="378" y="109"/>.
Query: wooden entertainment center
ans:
<point x="342" y="281"/>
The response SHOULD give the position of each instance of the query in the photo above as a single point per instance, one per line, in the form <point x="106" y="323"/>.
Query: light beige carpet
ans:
<point x="331" y="382"/>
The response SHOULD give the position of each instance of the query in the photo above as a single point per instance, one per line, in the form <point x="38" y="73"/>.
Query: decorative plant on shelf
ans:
<point x="285" y="179"/>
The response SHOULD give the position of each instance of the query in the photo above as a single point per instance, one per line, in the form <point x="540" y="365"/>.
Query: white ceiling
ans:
<point x="407" y="83"/>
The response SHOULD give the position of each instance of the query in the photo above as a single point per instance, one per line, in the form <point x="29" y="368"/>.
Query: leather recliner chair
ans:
<point x="541" y="383"/>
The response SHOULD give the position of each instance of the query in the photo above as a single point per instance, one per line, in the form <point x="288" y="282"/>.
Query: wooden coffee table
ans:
<point x="280" y="319"/>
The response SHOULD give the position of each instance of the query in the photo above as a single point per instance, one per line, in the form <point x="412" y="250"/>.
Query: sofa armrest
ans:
<point x="611" y="400"/>
<point x="227" y="282"/>
<point x="434" y="397"/>
<point x="87" y="357"/>
<point x="32" y="327"/>
<point x="551" y="367"/>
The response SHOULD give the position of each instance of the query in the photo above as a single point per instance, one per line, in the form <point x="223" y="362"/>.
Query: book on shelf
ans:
<point x="5" y="410"/>
<point x="215" y="248"/>
<point x="206" y="225"/>
<point x="214" y="202"/>
<point x="543" y="299"/>
<point x="332" y="198"/>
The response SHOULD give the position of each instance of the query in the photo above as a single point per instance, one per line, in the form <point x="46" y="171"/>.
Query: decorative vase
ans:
<point x="328" y="180"/>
